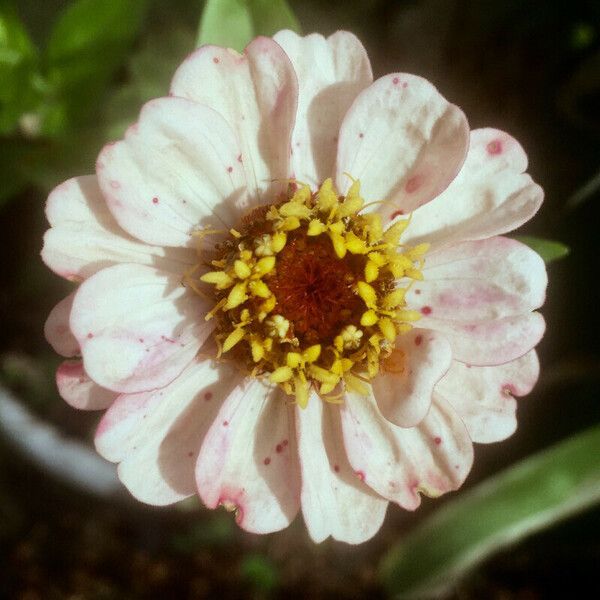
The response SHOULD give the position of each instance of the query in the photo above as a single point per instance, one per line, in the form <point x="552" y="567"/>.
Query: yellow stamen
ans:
<point x="236" y="336"/>
<point x="281" y="374"/>
<point x="218" y="278"/>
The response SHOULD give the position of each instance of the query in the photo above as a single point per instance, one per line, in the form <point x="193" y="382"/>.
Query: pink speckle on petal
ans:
<point x="155" y="200"/>
<point x="216" y="60"/>
<point x="418" y="340"/>
<point x="396" y="80"/>
<point x="285" y="443"/>
<point x="437" y="440"/>
<point x="279" y="448"/>
<point x="225" y="423"/>
<point x="361" y="135"/>
<point x="427" y="310"/>
<point x="190" y="454"/>
<point x="413" y="184"/>
<point x="405" y="84"/>
<point x="267" y="461"/>
<point x="239" y="158"/>
<point x="360" y="475"/>
<point x="396" y="213"/>
<point x="336" y="468"/>
<point x="90" y="336"/>
<point x="208" y="396"/>
<point x="115" y="185"/>
<point x="229" y="169"/>
<point x="417" y="292"/>
<point x="494" y="147"/>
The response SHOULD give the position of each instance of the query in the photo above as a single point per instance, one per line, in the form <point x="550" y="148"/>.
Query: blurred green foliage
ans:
<point x="51" y="95"/>
<point x="216" y="531"/>
<point x="260" y="573"/>
<point x="233" y="23"/>
<point x="19" y="60"/>
<point x="534" y="494"/>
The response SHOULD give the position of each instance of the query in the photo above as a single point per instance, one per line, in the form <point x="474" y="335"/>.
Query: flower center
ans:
<point x="310" y="292"/>
<point x="314" y="289"/>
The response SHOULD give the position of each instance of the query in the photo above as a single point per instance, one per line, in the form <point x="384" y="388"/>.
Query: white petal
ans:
<point x="404" y="388"/>
<point x="248" y="461"/>
<point x="486" y="279"/>
<point x="78" y="390"/>
<point x="85" y="237"/>
<point x="156" y="436"/>
<point x="491" y="195"/>
<point x="483" y="396"/>
<point x="335" y="502"/>
<point x="176" y="170"/>
<point x="398" y="463"/>
<point x="137" y="327"/>
<point x="403" y="141"/>
<point x="57" y="329"/>
<point x="494" y="342"/>
<point x="331" y="73"/>
<point x="256" y="94"/>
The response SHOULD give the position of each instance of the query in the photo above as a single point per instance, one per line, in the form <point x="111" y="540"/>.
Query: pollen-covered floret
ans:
<point x="311" y="291"/>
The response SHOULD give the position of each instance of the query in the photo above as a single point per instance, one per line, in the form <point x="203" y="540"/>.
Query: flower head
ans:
<point x="294" y="293"/>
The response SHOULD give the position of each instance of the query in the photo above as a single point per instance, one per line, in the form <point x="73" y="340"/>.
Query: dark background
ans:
<point x="530" y="68"/>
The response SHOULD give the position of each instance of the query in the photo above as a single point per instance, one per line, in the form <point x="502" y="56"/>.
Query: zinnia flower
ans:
<point x="293" y="294"/>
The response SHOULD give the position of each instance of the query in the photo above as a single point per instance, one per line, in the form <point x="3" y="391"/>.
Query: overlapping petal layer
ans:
<point x="491" y="195"/>
<point x="432" y="457"/>
<point x="331" y="73"/>
<point x="335" y="501"/>
<point x="76" y="388"/>
<point x="403" y="141"/>
<point x="137" y="327"/>
<point x="85" y="238"/>
<point x="176" y="170"/>
<point x="256" y="93"/>
<point x="236" y="128"/>
<point x="156" y="435"/>
<point x="249" y="462"/>
<point x="483" y="396"/>
<point x="404" y="389"/>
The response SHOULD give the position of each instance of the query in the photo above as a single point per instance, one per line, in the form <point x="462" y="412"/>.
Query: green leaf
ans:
<point x="260" y="572"/>
<point x="549" y="250"/>
<point x="18" y="61"/>
<point x="233" y="23"/>
<point x="88" y="43"/>
<point x="528" y="497"/>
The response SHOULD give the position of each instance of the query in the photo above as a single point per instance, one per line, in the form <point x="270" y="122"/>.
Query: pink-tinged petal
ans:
<point x="137" y="327"/>
<point x="331" y="73"/>
<point x="483" y="396"/>
<point x="403" y="141"/>
<point x="491" y="195"/>
<point x="404" y="387"/>
<point x="249" y="462"/>
<point x="433" y="458"/>
<point x="85" y="237"/>
<point x="78" y="390"/>
<point x="485" y="343"/>
<point x="335" y="501"/>
<point x="481" y="280"/>
<point x="156" y="436"/>
<point x="57" y="329"/>
<point x="176" y="170"/>
<point x="256" y="94"/>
